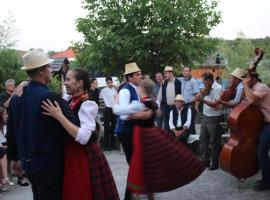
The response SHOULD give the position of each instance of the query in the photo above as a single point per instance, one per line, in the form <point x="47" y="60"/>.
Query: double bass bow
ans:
<point x="239" y="155"/>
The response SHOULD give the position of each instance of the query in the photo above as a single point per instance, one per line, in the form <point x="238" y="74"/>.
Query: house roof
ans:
<point x="57" y="64"/>
<point x="69" y="53"/>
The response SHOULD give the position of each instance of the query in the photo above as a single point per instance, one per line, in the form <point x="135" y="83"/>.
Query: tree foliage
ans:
<point x="236" y="52"/>
<point x="10" y="64"/>
<point x="153" y="33"/>
<point x="240" y="53"/>
<point x="7" y="32"/>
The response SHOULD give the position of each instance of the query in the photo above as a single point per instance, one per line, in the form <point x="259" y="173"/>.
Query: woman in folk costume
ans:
<point x="159" y="163"/>
<point x="87" y="174"/>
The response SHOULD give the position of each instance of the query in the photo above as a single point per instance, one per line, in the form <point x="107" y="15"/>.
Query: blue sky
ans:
<point x="50" y="24"/>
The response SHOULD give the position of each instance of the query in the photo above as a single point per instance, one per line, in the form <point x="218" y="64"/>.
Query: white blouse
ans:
<point x="87" y="116"/>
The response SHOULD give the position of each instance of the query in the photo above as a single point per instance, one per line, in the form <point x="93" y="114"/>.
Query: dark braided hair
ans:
<point x="82" y="74"/>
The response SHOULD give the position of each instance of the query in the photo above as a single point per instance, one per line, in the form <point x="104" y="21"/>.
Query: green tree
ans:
<point x="240" y="53"/>
<point x="55" y="84"/>
<point x="10" y="64"/>
<point x="153" y="33"/>
<point x="7" y="32"/>
<point x="236" y="52"/>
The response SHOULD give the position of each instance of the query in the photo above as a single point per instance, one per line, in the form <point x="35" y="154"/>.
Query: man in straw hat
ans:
<point x="167" y="93"/>
<point x="259" y="94"/>
<point x="236" y="81"/>
<point x="128" y="94"/>
<point x="180" y="119"/>
<point x="37" y="140"/>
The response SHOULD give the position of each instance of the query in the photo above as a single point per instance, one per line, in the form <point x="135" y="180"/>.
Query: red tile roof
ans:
<point x="69" y="53"/>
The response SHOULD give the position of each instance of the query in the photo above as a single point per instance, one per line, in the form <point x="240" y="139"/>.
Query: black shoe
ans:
<point x="22" y="182"/>
<point x="206" y="164"/>
<point x="262" y="186"/>
<point x="213" y="167"/>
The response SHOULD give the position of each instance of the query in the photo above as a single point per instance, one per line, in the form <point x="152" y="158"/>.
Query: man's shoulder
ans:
<point x="261" y="86"/>
<point x="54" y="96"/>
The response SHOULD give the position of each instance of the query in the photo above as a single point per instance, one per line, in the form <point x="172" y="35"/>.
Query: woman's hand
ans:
<point x="52" y="109"/>
<point x="19" y="89"/>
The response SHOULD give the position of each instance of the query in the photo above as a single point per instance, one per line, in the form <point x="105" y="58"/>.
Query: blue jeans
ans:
<point x="263" y="152"/>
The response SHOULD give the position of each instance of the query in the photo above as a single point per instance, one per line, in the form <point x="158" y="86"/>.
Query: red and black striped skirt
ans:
<point x="159" y="163"/>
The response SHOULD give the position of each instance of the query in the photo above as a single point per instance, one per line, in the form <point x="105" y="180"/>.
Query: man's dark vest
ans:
<point x="177" y="87"/>
<point x="184" y="113"/>
<point x="127" y="126"/>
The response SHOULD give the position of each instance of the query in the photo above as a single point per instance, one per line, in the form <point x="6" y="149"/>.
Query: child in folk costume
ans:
<point x="87" y="174"/>
<point x="180" y="119"/>
<point x="158" y="163"/>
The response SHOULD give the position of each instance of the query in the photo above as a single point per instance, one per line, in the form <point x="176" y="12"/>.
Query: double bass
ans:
<point x="239" y="155"/>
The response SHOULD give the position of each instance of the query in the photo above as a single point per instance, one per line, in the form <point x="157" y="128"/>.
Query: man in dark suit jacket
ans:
<point x="34" y="139"/>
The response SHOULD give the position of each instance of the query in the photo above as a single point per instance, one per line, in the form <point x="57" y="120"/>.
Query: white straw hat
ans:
<point x="179" y="97"/>
<point x="131" y="68"/>
<point x="168" y="69"/>
<point x="239" y="73"/>
<point x="35" y="58"/>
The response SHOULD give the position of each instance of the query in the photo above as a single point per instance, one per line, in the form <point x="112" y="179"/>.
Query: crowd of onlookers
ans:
<point x="6" y="175"/>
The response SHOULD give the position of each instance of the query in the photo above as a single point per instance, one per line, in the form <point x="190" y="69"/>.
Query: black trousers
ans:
<point x="192" y="128"/>
<point x="126" y="140"/>
<point x="109" y="125"/>
<point x="184" y="137"/>
<point x="47" y="185"/>
<point x="167" y="110"/>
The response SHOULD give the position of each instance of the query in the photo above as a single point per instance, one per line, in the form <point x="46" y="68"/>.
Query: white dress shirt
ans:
<point x="108" y="95"/>
<point x="125" y="107"/>
<point x="212" y="96"/>
<point x="87" y="116"/>
<point x="239" y="91"/>
<point x="179" y="120"/>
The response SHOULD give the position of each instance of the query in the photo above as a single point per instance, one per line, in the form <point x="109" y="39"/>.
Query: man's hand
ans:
<point x="178" y="133"/>
<point x="246" y="81"/>
<point x="19" y="89"/>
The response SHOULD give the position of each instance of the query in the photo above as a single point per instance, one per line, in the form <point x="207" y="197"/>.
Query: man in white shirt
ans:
<point x="210" y="136"/>
<point x="108" y="94"/>
<point x="180" y="119"/>
<point x="127" y="94"/>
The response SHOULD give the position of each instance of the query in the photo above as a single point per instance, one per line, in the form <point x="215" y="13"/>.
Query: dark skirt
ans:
<point x="159" y="163"/>
<point x="102" y="181"/>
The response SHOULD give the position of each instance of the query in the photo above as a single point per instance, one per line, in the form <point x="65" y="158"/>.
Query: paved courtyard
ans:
<point x="211" y="185"/>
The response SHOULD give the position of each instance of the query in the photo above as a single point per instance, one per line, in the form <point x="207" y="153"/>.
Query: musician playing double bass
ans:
<point x="259" y="94"/>
<point x="237" y="85"/>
